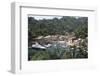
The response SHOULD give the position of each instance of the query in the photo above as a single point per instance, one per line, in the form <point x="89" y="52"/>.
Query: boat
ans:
<point x="38" y="46"/>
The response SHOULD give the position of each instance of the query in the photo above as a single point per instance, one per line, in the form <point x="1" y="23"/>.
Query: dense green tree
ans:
<point x="81" y="32"/>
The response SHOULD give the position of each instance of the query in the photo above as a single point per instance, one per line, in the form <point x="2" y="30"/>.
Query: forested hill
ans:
<point x="61" y="26"/>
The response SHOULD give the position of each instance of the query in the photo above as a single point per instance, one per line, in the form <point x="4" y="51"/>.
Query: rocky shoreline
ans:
<point x="71" y="40"/>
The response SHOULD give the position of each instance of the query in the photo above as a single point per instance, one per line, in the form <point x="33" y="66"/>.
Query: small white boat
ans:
<point x="37" y="45"/>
